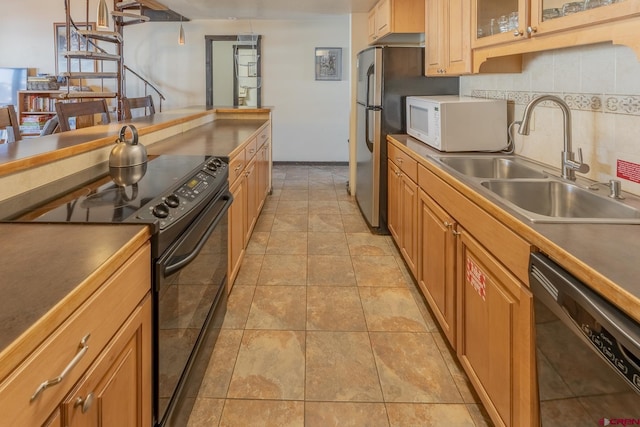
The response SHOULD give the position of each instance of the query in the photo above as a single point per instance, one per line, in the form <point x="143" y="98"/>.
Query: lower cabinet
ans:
<point x="471" y="270"/>
<point x="237" y="221"/>
<point x="437" y="263"/>
<point x="95" y="368"/>
<point x="116" y="390"/>
<point x="402" y="218"/>
<point x="494" y="334"/>
<point x="249" y="171"/>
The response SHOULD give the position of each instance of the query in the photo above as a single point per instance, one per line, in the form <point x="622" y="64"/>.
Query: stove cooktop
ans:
<point x="168" y="187"/>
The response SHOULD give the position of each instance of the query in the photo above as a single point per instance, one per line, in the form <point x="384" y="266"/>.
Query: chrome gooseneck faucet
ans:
<point x="569" y="164"/>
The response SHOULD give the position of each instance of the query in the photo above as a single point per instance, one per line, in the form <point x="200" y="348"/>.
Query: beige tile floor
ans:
<point x="325" y="327"/>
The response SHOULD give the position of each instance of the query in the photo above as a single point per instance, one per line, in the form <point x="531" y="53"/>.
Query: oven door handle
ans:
<point x="183" y="262"/>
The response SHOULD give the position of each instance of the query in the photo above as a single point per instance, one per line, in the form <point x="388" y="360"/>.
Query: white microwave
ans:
<point x="458" y="123"/>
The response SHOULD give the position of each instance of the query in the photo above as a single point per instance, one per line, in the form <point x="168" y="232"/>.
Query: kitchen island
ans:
<point x="97" y="285"/>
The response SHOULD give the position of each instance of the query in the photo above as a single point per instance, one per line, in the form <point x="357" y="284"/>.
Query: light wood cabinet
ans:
<point x="115" y="391"/>
<point x="249" y="182"/>
<point x="494" y="334"/>
<point x="82" y="347"/>
<point x="448" y="37"/>
<point x="401" y="20"/>
<point x="472" y="271"/>
<point x="538" y="30"/>
<point x="403" y="205"/>
<point x="436" y="276"/>
<point x="237" y="221"/>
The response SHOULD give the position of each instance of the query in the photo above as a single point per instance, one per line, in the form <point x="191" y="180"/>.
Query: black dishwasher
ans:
<point x="587" y="352"/>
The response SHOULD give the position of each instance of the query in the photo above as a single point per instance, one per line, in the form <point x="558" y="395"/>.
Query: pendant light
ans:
<point x="103" y="15"/>
<point x="181" y="33"/>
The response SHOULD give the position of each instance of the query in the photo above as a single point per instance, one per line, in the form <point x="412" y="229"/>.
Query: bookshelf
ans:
<point x="35" y="107"/>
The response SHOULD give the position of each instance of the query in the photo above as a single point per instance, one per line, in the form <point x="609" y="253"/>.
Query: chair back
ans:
<point x="9" y="120"/>
<point x="67" y="110"/>
<point x="145" y="102"/>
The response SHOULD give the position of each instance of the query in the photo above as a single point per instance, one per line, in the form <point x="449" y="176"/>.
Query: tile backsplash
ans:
<point x="601" y="85"/>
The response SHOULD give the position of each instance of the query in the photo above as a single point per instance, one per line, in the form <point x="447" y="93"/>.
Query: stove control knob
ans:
<point x="172" y="200"/>
<point x="212" y="166"/>
<point x="160" y="211"/>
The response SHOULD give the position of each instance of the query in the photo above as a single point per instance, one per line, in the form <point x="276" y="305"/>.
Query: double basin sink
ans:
<point x="537" y="195"/>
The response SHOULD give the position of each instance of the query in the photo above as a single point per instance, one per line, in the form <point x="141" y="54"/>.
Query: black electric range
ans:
<point x="170" y="190"/>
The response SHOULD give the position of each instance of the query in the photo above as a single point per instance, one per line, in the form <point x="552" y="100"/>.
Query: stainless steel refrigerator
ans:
<point x="386" y="76"/>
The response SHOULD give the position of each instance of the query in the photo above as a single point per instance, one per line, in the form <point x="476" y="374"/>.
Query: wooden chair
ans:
<point x="143" y="102"/>
<point x="9" y="120"/>
<point x="67" y="110"/>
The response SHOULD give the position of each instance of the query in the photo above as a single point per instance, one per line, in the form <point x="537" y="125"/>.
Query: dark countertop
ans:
<point x="32" y="152"/>
<point x="603" y="256"/>
<point x="218" y="138"/>
<point x="48" y="270"/>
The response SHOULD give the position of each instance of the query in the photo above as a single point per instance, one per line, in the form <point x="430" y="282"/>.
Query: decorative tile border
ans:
<point x="603" y="103"/>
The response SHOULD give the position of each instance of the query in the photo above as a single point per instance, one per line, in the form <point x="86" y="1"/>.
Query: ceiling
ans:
<point x="265" y="9"/>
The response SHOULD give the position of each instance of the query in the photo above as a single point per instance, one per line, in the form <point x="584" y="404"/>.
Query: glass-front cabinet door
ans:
<point x="503" y="21"/>
<point x="498" y="21"/>
<point x="549" y="16"/>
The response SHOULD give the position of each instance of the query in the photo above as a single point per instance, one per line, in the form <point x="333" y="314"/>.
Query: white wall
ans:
<point x="310" y="118"/>
<point x="601" y="85"/>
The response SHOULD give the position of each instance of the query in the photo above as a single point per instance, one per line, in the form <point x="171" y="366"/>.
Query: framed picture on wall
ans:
<point x="328" y="63"/>
<point x="78" y="43"/>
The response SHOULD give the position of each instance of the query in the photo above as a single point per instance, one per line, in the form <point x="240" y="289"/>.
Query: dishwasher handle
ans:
<point x="561" y="284"/>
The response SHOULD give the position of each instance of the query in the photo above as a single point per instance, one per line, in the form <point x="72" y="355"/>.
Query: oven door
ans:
<point x="189" y="291"/>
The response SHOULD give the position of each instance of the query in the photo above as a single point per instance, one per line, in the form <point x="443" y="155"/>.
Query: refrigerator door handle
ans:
<point x="367" y="137"/>
<point x="370" y="72"/>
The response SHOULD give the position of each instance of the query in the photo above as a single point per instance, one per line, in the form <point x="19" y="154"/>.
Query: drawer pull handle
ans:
<point x="57" y="380"/>
<point x="252" y="151"/>
<point x="85" y="403"/>
<point x="238" y="168"/>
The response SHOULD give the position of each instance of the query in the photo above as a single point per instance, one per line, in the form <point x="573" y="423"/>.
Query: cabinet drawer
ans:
<point x="99" y="317"/>
<point x="407" y="164"/>
<point x="264" y="135"/>
<point x="251" y="149"/>
<point x="236" y="166"/>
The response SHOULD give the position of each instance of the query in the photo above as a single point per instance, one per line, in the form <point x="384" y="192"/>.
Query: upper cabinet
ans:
<point x="511" y="27"/>
<point x="448" y="37"/>
<point x="400" y="21"/>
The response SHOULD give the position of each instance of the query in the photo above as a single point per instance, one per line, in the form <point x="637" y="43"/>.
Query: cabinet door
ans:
<point x="116" y="391"/>
<point x="251" y="178"/>
<point x="393" y="199"/>
<point x="458" y="48"/>
<point x="383" y="18"/>
<point x="237" y="221"/>
<point x="434" y="21"/>
<point x="263" y="174"/>
<point x="547" y="16"/>
<point x="491" y="22"/>
<point x="371" y="26"/>
<point x="494" y="334"/>
<point x="408" y="222"/>
<point x="436" y="262"/>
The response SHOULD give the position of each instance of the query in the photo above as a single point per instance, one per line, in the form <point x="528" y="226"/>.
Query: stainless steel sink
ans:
<point x="490" y="167"/>
<point x="559" y="201"/>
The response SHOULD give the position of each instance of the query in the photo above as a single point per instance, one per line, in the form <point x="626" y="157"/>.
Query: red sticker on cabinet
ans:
<point x="477" y="278"/>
